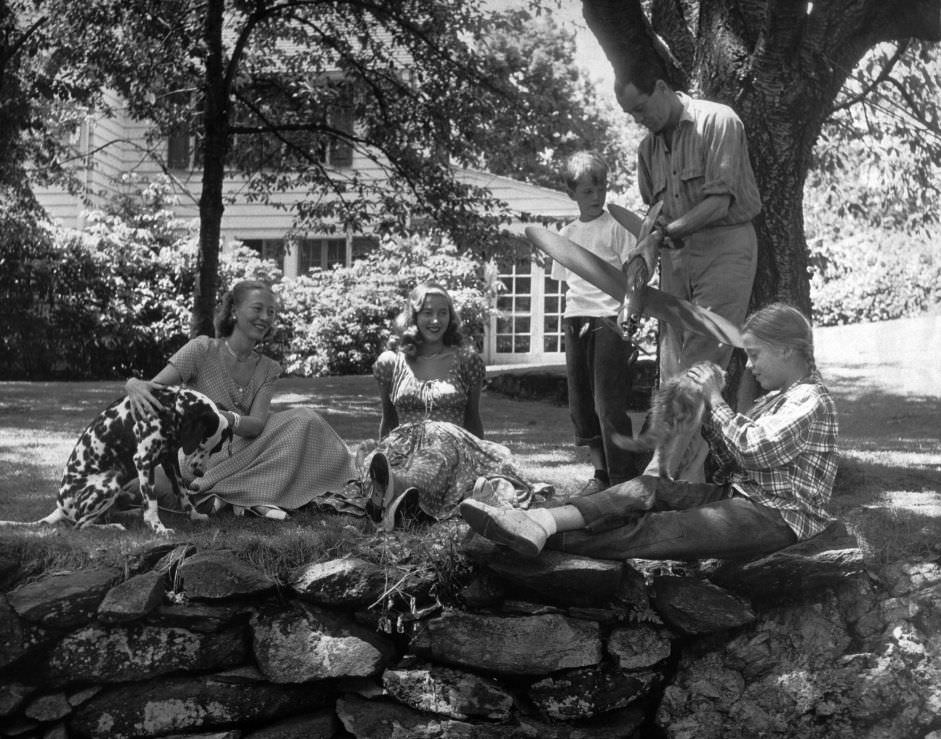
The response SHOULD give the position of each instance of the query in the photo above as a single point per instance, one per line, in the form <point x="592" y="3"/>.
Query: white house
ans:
<point x="528" y="329"/>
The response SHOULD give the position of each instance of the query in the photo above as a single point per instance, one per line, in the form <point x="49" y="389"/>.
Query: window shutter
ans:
<point x="178" y="151"/>
<point x="341" y="150"/>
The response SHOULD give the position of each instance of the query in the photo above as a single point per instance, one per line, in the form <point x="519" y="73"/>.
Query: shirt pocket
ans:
<point x="692" y="172"/>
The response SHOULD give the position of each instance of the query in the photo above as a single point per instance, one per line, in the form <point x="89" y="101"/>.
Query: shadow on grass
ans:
<point x="888" y="486"/>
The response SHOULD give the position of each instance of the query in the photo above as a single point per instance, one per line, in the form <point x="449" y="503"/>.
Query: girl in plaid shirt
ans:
<point x="777" y="466"/>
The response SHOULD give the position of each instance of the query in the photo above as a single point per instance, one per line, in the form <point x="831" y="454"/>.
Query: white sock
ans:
<point x="544" y="518"/>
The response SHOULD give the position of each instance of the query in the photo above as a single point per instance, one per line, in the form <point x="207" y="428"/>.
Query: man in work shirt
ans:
<point x="695" y="160"/>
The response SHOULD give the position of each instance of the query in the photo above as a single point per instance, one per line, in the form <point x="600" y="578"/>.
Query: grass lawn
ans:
<point x="888" y="487"/>
<point x="39" y="423"/>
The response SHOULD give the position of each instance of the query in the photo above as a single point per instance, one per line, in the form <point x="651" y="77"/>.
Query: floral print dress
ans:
<point x="430" y="450"/>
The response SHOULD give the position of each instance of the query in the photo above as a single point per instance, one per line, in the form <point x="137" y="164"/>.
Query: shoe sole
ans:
<point x="481" y="522"/>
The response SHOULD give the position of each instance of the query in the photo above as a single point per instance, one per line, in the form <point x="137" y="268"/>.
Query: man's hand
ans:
<point x="143" y="403"/>
<point x="636" y="272"/>
<point x="667" y="241"/>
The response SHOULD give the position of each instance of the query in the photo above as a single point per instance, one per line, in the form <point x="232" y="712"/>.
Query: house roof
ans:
<point x="527" y="202"/>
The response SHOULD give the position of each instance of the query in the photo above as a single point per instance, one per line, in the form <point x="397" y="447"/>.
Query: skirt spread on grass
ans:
<point x="295" y="460"/>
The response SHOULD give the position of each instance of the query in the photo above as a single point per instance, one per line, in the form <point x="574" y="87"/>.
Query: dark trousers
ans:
<point x="655" y="518"/>
<point x="599" y="373"/>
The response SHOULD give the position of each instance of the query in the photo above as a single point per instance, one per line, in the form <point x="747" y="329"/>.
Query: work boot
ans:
<point x="511" y="527"/>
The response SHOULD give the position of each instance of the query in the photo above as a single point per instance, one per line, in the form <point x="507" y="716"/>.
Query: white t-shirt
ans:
<point x="606" y="238"/>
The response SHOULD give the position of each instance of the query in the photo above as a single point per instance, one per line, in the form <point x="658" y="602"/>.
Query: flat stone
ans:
<point x="189" y="704"/>
<point x="381" y="719"/>
<point x="302" y="642"/>
<point x="617" y="724"/>
<point x="172" y="557"/>
<point x="81" y="696"/>
<point x="347" y="582"/>
<point x="797" y="572"/>
<point x="58" y="731"/>
<point x="13" y="695"/>
<point x="579" y="694"/>
<point x="134" y="598"/>
<point x="321" y="725"/>
<point x="449" y="692"/>
<point x="483" y="591"/>
<point x="555" y="577"/>
<point x="217" y="575"/>
<point x="63" y="600"/>
<point x="139" y="652"/>
<point x="48" y="708"/>
<point x="637" y="647"/>
<point x="202" y="617"/>
<point x="526" y="645"/>
<point x="694" y="606"/>
<point x="19" y="726"/>
<point x="155" y="556"/>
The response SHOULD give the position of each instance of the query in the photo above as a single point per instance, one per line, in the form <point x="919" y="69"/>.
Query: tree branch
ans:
<point x="883" y="76"/>
<point x="629" y="41"/>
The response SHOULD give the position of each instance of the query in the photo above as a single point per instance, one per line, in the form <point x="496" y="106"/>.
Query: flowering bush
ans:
<point x="114" y="298"/>
<point x="341" y="318"/>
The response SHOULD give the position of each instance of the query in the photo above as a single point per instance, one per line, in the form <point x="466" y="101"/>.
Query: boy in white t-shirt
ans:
<point x="598" y="361"/>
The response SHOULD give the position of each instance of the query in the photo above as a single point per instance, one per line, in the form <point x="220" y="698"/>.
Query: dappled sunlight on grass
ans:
<point x="888" y="486"/>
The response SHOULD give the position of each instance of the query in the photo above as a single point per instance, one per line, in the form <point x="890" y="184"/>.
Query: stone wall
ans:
<point x="183" y="643"/>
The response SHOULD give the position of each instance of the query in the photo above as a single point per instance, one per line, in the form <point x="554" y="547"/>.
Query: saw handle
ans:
<point x="667" y="242"/>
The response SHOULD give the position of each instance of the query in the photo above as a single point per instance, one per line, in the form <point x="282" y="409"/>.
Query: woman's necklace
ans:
<point x="238" y="357"/>
<point x="240" y="372"/>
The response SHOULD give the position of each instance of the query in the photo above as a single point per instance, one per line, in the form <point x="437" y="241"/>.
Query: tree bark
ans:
<point x="780" y="64"/>
<point x="211" y="206"/>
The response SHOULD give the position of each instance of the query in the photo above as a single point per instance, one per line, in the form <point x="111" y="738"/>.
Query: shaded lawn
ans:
<point x="888" y="487"/>
<point x="39" y="423"/>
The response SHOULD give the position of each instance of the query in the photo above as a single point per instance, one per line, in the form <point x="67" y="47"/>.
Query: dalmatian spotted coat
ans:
<point x="116" y="447"/>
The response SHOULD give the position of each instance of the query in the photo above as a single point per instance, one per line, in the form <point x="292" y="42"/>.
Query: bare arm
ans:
<point x="390" y="418"/>
<point x="251" y="425"/>
<point x="711" y="209"/>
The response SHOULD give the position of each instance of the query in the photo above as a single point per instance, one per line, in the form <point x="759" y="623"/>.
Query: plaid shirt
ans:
<point x="783" y="453"/>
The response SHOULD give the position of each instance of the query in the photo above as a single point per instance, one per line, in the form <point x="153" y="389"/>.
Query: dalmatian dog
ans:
<point x="116" y="447"/>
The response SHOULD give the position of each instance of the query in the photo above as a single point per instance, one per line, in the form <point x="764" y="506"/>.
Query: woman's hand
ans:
<point x="143" y="403"/>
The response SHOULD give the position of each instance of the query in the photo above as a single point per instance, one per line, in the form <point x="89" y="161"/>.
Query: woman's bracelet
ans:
<point x="236" y="419"/>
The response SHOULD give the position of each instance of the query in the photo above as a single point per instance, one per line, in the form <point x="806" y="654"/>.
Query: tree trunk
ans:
<point x="211" y="207"/>
<point x="780" y="65"/>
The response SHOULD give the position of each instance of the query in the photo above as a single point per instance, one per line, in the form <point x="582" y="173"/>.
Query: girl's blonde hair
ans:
<point x="408" y="337"/>
<point x="231" y="299"/>
<point x="783" y="325"/>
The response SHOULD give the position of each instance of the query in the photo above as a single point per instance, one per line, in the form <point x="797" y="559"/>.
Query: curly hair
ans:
<point x="407" y="337"/>
<point x="231" y="299"/>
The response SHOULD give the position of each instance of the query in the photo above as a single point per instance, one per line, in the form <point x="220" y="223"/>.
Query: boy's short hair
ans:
<point x="583" y="163"/>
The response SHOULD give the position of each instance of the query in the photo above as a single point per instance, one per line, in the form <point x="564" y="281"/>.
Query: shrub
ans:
<point x="107" y="301"/>
<point x="863" y="274"/>
<point x="341" y="318"/>
<point x="114" y="298"/>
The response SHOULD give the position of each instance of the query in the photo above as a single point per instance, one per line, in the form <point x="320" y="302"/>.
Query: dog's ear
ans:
<point x="224" y="437"/>
<point x="198" y="423"/>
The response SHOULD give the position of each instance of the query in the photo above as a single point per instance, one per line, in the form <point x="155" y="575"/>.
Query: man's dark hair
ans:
<point x="643" y="77"/>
